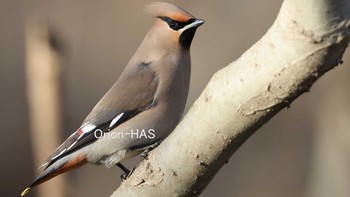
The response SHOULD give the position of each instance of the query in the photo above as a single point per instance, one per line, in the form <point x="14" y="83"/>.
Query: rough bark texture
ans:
<point x="307" y="39"/>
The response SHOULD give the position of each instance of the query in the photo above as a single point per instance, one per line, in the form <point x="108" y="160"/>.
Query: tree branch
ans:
<point x="307" y="39"/>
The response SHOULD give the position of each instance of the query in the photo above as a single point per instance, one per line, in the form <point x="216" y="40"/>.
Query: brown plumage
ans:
<point x="149" y="95"/>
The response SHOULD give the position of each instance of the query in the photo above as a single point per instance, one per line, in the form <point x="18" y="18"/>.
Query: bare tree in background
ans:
<point x="330" y="172"/>
<point x="43" y="69"/>
<point x="307" y="39"/>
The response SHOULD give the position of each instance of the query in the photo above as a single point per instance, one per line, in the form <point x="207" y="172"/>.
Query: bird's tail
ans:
<point x="63" y="165"/>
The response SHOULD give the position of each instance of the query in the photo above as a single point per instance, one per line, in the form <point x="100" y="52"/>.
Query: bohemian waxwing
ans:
<point x="142" y="107"/>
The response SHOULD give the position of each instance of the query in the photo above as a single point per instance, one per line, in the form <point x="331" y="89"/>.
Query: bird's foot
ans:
<point x="149" y="148"/>
<point x="126" y="173"/>
<point x="123" y="177"/>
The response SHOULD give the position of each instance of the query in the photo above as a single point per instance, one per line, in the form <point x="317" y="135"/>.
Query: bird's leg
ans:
<point x="125" y="170"/>
<point x="148" y="149"/>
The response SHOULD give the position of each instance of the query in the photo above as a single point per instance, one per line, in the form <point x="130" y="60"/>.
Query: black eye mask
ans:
<point x="176" y="25"/>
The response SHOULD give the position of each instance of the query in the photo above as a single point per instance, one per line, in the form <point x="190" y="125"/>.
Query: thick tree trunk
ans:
<point x="307" y="39"/>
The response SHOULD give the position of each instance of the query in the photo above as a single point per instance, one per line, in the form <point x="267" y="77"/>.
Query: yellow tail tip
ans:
<point x="25" y="191"/>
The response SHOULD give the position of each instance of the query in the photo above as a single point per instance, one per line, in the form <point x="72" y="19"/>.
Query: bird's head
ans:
<point x="173" y="24"/>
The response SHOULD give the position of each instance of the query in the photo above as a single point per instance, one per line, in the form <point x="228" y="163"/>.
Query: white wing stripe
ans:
<point x="59" y="154"/>
<point x="88" y="128"/>
<point x="115" y="120"/>
<point x="72" y="145"/>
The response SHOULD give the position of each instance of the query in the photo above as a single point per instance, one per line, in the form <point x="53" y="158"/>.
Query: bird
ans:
<point x="143" y="106"/>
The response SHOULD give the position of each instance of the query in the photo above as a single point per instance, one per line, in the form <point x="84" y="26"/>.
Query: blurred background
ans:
<point x="58" y="58"/>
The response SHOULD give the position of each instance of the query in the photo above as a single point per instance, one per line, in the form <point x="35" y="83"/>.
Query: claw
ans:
<point x="123" y="177"/>
<point x="125" y="170"/>
<point x="149" y="148"/>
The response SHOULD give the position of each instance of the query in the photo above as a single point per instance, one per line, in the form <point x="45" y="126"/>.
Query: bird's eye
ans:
<point x="173" y="24"/>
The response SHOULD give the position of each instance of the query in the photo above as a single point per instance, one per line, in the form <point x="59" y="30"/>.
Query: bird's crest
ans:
<point x="172" y="11"/>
